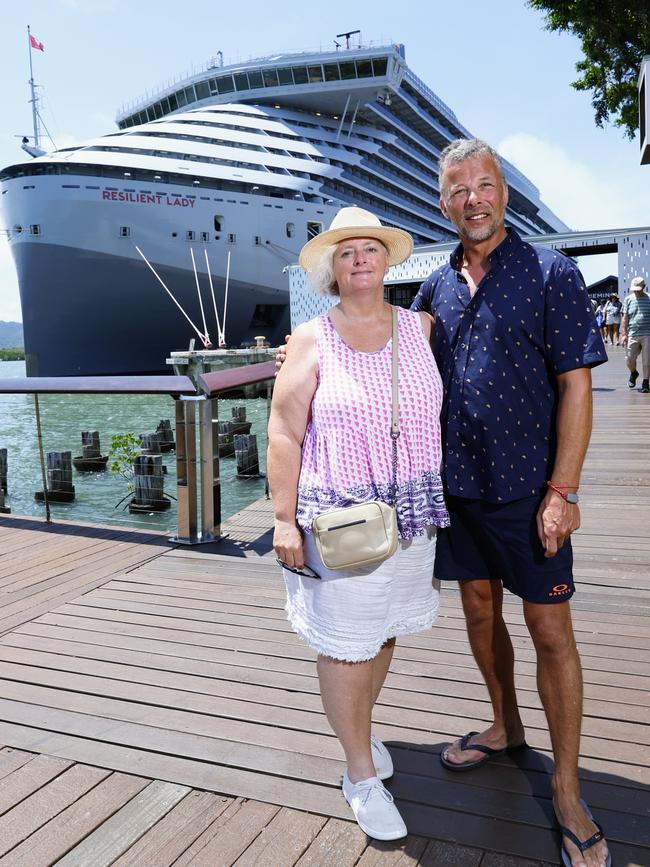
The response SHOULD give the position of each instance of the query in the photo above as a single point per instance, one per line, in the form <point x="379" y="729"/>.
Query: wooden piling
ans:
<point x="59" y="478"/>
<point x="165" y="435"/>
<point x="149" y="483"/>
<point x="3" y="470"/>
<point x="4" y="509"/>
<point x="239" y="423"/>
<point x="90" y="443"/>
<point x="150" y="444"/>
<point x="226" y="443"/>
<point x="248" y="465"/>
<point x="91" y="459"/>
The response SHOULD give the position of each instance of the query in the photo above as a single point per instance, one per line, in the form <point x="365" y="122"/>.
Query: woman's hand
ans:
<point x="287" y="543"/>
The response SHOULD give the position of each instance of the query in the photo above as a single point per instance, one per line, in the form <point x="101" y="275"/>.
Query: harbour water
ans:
<point x="63" y="417"/>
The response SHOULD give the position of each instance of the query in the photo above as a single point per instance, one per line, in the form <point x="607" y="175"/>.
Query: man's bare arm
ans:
<point x="557" y="519"/>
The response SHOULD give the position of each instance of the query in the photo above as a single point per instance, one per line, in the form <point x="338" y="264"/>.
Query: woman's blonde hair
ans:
<point x="321" y="279"/>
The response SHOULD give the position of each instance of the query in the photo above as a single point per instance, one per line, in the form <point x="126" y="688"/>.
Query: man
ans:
<point x="635" y="332"/>
<point x="515" y="340"/>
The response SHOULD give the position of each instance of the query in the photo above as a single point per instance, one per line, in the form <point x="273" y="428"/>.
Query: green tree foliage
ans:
<point x="615" y="35"/>
<point x="12" y="354"/>
<point x="124" y="450"/>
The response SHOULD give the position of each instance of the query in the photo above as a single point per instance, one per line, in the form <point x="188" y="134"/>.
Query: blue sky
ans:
<point x="506" y="78"/>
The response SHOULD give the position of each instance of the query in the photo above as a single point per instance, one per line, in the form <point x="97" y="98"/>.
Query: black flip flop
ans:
<point x="489" y="752"/>
<point x="582" y="845"/>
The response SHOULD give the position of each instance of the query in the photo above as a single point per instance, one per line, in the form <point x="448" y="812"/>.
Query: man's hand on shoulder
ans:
<point x="299" y="351"/>
<point x="281" y="354"/>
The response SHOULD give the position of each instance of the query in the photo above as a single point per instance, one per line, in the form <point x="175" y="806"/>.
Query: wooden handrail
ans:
<point x="174" y="385"/>
<point x="210" y="384"/>
<point x="225" y="380"/>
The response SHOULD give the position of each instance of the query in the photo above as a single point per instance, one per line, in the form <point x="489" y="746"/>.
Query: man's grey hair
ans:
<point x="462" y="149"/>
<point x="321" y="279"/>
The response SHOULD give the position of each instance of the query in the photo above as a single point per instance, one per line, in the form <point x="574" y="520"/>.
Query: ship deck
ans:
<point x="156" y="709"/>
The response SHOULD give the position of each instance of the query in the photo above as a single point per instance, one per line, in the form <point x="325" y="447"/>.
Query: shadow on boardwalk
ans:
<point x="156" y="709"/>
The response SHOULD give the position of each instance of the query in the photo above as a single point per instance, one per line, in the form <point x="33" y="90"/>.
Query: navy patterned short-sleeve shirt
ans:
<point x="499" y="354"/>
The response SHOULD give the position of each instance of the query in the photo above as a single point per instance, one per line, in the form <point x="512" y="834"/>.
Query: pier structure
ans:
<point x="194" y="362"/>
<point x="156" y="708"/>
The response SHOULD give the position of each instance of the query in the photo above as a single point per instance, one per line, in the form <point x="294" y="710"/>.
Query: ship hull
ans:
<point x="89" y="313"/>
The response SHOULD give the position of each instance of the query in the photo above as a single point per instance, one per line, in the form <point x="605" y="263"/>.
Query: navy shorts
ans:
<point x="500" y="541"/>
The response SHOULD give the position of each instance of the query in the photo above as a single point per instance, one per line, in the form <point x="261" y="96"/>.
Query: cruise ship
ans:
<point x="134" y="243"/>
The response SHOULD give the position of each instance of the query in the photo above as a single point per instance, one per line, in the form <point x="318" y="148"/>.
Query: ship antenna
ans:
<point x="157" y="276"/>
<point x="214" y="300"/>
<point x="348" y="35"/>
<point x="225" y="301"/>
<point x="206" y="341"/>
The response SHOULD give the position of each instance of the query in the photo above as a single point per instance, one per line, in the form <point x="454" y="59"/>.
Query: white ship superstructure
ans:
<point x="244" y="163"/>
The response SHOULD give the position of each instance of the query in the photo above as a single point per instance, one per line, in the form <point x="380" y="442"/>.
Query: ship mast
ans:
<point x="35" y="149"/>
<point x="34" y="99"/>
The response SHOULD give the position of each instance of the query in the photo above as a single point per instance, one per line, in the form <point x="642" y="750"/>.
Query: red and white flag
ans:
<point x="33" y="41"/>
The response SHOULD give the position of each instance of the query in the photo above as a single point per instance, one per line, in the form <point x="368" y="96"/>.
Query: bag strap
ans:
<point x="394" y="427"/>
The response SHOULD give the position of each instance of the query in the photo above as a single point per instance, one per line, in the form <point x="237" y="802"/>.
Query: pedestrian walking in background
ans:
<point x="600" y="319"/>
<point x="613" y="319"/>
<point x="635" y="332"/>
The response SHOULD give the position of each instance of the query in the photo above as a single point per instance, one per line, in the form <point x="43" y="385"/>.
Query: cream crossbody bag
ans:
<point x="365" y="533"/>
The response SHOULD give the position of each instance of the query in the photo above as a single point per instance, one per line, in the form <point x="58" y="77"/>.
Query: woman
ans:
<point x="330" y="447"/>
<point x="600" y="320"/>
<point x="612" y="315"/>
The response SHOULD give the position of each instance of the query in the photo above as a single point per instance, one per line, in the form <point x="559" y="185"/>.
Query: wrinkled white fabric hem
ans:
<point x="358" y="653"/>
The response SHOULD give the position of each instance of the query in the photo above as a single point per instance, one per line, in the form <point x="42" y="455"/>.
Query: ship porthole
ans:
<point x="18" y="229"/>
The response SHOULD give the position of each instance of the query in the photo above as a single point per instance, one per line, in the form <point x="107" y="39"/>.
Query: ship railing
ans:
<point x="198" y="483"/>
<point x="522" y="180"/>
<point x="524" y="184"/>
<point x="213" y="63"/>
<point x="412" y="78"/>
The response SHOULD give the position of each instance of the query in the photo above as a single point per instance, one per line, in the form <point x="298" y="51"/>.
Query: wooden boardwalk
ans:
<point x="156" y="709"/>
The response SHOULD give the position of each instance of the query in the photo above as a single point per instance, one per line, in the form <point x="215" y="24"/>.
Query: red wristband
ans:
<point x="567" y="496"/>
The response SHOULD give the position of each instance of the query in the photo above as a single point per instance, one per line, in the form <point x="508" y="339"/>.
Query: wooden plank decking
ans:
<point x="156" y="709"/>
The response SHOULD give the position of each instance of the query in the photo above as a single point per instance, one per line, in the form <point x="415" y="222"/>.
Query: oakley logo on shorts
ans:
<point x="560" y="590"/>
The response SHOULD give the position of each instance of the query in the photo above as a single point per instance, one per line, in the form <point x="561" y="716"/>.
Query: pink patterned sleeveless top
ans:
<point x="347" y="451"/>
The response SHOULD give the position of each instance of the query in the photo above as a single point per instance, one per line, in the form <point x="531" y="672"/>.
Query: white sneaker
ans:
<point x="381" y="758"/>
<point x="374" y="809"/>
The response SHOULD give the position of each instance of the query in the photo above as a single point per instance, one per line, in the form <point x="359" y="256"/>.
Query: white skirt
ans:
<point x="350" y="615"/>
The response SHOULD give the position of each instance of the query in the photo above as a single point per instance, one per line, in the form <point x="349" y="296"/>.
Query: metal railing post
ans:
<point x="210" y="476"/>
<point x="39" y="434"/>
<point x="186" y="491"/>
<point x="182" y="513"/>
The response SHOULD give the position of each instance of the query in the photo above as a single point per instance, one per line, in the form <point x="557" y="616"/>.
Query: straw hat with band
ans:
<point x="357" y="223"/>
<point x="638" y="284"/>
